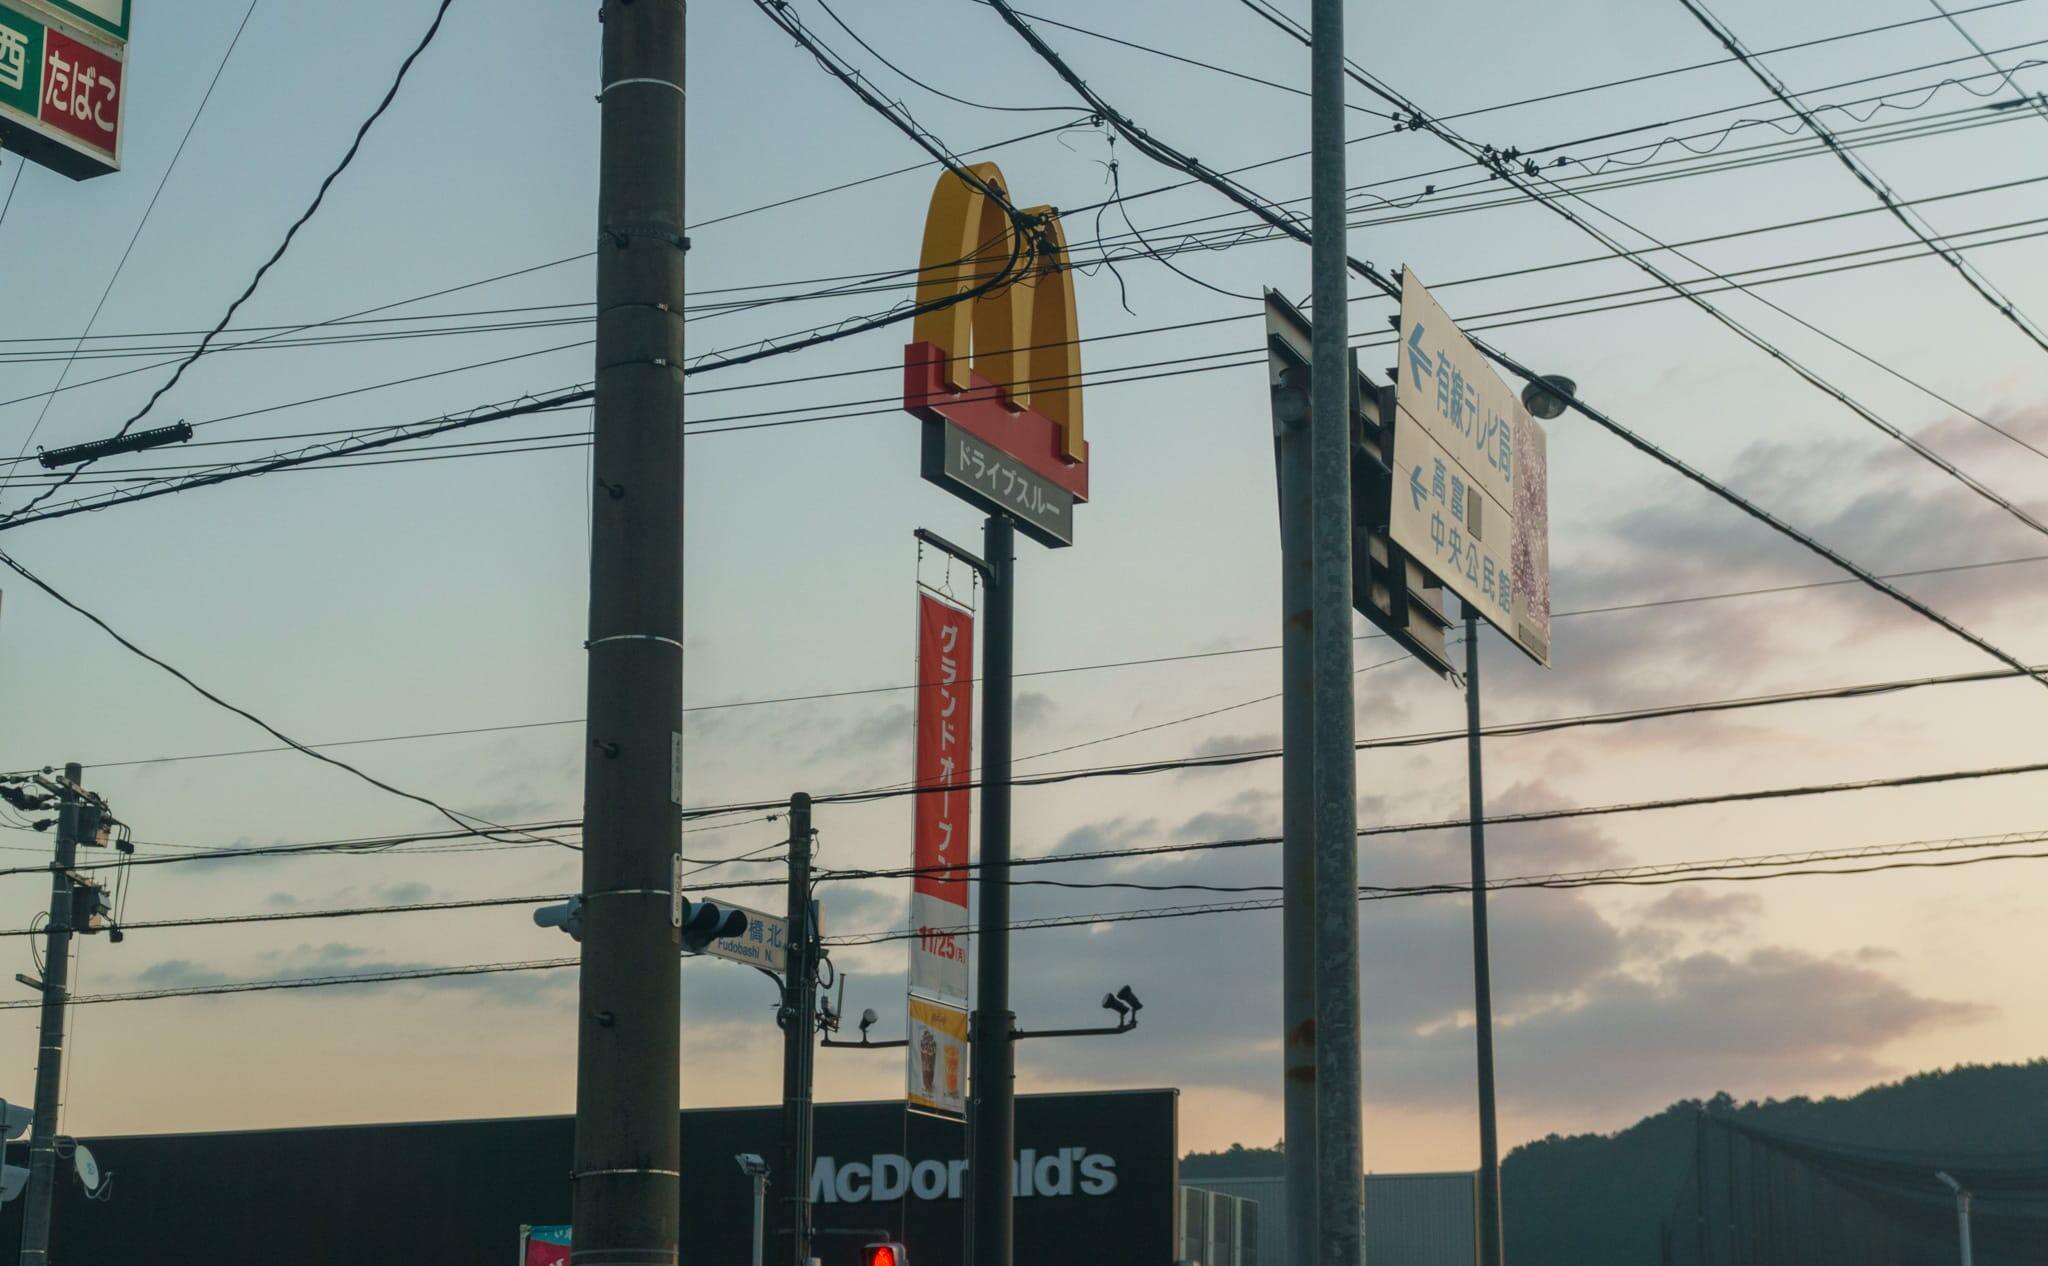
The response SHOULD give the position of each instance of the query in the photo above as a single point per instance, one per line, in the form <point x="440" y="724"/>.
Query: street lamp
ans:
<point x="1545" y="396"/>
<point x="1962" y="1210"/>
<point x="755" y="1168"/>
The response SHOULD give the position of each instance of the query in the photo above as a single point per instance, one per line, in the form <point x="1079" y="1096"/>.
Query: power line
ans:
<point x="1773" y="866"/>
<point x="1524" y="818"/>
<point x="1864" y="175"/>
<point x="304" y="982"/>
<point x="20" y="165"/>
<point x="312" y="208"/>
<point x="1648" y="604"/>
<point x="2040" y="105"/>
<point x="710" y="426"/>
<point x="344" y="318"/>
<point x="1507" y="165"/>
<point x="937" y="92"/>
<point x="553" y="263"/>
<point x="1173" y="158"/>
<point x="1505" y="105"/>
<point x="252" y="718"/>
<point x="1725" y="870"/>
<point x="358" y="912"/>
<point x="140" y="224"/>
<point x="314" y="453"/>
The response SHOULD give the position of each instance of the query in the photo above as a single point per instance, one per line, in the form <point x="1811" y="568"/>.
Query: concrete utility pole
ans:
<point x="628" y="1157"/>
<point x="42" y="1144"/>
<point x="1340" y="1159"/>
<point x="799" y="1036"/>
<point x="1490" y="1246"/>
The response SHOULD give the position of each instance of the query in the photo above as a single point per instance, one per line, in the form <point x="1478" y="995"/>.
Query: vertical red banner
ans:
<point x="944" y="758"/>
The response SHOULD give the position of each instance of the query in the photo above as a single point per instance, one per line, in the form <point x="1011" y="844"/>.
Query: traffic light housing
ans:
<point x="1388" y="587"/>
<point x="566" y="915"/>
<point x="884" y="1253"/>
<point x="706" y="921"/>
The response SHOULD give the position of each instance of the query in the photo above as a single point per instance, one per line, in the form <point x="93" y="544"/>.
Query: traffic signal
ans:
<point x="886" y="1253"/>
<point x="706" y="921"/>
<point x="1388" y="587"/>
<point x="567" y="915"/>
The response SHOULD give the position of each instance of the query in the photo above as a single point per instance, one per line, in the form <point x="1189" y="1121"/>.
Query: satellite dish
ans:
<point x="88" y="1169"/>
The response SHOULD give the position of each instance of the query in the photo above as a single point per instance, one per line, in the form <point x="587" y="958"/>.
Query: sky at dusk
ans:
<point x="395" y="599"/>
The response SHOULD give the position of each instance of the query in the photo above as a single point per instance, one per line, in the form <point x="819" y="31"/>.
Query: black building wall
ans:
<point x="454" y="1193"/>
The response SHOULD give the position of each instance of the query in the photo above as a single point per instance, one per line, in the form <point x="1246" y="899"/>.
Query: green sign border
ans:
<point x="119" y="32"/>
<point x="29" y="97"/>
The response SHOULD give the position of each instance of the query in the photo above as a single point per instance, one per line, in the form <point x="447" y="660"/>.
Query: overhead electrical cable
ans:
<point x="1868" y="178"/>
<point x="2040" y="101"/>
<point x="122" y="263"/>
<point x="302" y="982"/>
<point x="1489" y="109"/>
<point x="1524" y="818"/>
<point x="321" y="452"/>
<point x="888" y="406"/>
<point x="465" y="821"/>
<point x="1143" y="141"/>
<point x="1024" y="238"/>
<point x="1146" y="914"/>
<point x="937" y="92"/>
<point x="312" y="208"/>
<point x="285" y="331"/>
<point x="1521" y="175"/>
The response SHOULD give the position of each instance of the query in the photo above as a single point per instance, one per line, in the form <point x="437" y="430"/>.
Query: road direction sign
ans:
<point x="62" y="74"/>
<point x="1471" y="476"/>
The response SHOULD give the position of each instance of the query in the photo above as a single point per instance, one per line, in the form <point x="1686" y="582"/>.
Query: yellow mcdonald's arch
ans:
<point x="1022" y="337"/>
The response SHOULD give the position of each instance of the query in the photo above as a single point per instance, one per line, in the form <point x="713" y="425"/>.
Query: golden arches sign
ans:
<point x="1020" y="338"/>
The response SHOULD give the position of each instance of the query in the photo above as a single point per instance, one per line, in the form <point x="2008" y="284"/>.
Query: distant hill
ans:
<point x="1602" y="1198"/>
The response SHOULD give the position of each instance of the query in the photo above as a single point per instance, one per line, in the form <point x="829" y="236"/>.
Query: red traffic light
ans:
<point x="885" y="1254"/>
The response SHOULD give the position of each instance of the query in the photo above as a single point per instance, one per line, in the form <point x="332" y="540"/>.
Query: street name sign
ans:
<point x="1471" y="476"/>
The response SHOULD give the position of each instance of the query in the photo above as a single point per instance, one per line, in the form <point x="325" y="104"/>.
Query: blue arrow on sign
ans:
<point x="1418" y="360"/>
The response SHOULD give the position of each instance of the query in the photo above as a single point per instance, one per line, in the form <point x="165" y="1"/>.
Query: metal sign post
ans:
<point x="1340" y="1158"/>
<point x="997" y="384"/>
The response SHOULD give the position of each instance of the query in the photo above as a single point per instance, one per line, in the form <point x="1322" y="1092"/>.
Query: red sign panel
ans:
<point x="81" y="92"/>
<point x="544" y="1246"/>
<point x="944" y="758"/>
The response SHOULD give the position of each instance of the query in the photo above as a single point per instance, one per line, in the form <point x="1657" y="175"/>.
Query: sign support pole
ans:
<point x="626" y="1175"/>
<point x="1490" y="1247"/>
<point x="42" y="1147"/>
<point x="993" y="1112"/>
<point x="799" y="1022"/>
<point x="1298" y="847"/>
<point x="1340" y="1161"/>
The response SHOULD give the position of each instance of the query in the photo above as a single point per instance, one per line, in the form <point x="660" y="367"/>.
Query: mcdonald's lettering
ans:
<point x="1003" y="367"/>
